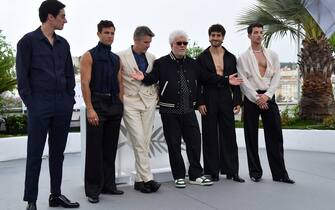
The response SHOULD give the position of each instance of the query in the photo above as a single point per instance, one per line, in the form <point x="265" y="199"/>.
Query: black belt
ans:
<point x="103" y="94"/>
<point x="261" y="91"/>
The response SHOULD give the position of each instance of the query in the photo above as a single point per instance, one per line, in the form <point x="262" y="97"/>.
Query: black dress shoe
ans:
<point x="112" y="192"/>
<point x="139" y="186"/>
<point x="31" y="206"/>
<point x="255" y="179"/>
<point x="215" y="178"/>
<point x="93" y="199"/>
<point x="285" y="180"/>
<point x="61" y="200"/>
<point x="235" y="177"/>
<point x="152" y="185"/>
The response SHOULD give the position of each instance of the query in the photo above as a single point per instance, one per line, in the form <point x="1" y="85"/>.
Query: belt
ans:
<point x="261" y="91"/>
<point x="102" y="94"/>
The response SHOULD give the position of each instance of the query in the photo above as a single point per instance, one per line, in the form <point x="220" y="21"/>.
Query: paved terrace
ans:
<point x="313" y="172"/>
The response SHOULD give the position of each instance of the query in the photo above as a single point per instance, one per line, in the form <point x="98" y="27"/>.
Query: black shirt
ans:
<point x="42" y="67"/>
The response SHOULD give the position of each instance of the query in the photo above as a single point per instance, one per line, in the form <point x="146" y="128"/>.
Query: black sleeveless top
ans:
<point x="105" y="68"/>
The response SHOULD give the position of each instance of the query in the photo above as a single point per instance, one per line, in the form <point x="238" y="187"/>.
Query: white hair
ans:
<point x="176" y="34"/>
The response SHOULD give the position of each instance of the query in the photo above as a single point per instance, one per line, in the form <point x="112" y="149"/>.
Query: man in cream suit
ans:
<point x="139" y="106"/>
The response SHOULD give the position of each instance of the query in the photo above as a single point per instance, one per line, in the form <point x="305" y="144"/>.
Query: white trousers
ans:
<point x="139" y="123"/>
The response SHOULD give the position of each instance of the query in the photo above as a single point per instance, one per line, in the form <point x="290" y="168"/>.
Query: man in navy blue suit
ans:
<point x="46" y="85"/>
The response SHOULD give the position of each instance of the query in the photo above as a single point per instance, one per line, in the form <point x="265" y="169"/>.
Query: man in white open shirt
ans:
<point x="260" y="70"/>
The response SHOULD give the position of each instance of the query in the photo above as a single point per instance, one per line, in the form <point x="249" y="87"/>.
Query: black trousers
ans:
<point x="48" y="114"/>
<point x="101" y="145"/>
<point x="220" y="152"/>
<point x="273" y="138"/>
<point x="184" y="126"/>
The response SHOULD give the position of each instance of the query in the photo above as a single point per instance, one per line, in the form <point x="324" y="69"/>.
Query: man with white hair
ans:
<point x="178" y="77"/>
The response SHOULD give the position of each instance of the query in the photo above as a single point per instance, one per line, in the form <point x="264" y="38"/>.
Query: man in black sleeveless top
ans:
<point x="100" y="84"/>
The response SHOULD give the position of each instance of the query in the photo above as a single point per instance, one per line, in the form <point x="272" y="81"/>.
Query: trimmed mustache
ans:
<point x="220" y="42"/>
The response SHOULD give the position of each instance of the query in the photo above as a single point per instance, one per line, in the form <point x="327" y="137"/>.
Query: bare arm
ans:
<point x="85" y="75"/>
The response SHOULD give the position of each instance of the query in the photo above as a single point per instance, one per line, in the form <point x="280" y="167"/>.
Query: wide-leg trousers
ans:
<point x="184" y="126"/>
<point x="273" y="138"/>
<point x="139" y="121"/>
<point x="220" y="152"/>
<point x="101" y="145"/>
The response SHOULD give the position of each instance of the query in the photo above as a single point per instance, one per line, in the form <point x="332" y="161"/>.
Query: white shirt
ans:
<point x="248" y="70"/>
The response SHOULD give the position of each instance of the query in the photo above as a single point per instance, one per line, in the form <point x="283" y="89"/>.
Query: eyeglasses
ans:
<point x="182" y="43"/>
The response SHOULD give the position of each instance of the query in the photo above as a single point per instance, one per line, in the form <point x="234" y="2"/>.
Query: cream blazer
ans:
<point x="136" y="94"/>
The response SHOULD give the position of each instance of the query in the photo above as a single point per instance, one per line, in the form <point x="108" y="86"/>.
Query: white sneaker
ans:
<point x="202" y="181"/>
<point x="180" y="183"/>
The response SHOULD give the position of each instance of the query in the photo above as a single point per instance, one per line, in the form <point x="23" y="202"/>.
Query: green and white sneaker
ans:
<point x="202" y="181"/>
<point x="180" y="183"/>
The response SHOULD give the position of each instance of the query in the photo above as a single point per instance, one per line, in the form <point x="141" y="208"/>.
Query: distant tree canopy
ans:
<point x="7" y="74"/>
<point x="194" y="50"/>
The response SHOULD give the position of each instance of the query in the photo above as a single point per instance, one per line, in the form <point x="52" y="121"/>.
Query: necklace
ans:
<point x="257" y="51"/>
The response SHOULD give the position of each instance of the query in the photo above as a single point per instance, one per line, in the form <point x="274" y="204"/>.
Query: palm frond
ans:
<point x="280" y="18"/>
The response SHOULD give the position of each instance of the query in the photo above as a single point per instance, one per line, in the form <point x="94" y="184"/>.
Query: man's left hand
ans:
<point x="237" y="109"/>
<point x="235" y="80"/>
<point x="262" y="101"/>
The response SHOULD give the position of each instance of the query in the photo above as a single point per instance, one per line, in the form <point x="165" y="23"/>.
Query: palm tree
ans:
<point x="316" y="62"/>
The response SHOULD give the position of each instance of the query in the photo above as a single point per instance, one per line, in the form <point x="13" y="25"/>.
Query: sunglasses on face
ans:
<point x="182" y="43"/>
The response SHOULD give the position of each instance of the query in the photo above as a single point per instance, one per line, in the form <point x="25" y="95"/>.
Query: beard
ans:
<point x="216" y="43"/>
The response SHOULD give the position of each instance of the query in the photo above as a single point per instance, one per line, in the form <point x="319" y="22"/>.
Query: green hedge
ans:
<point x="16" y="124"/>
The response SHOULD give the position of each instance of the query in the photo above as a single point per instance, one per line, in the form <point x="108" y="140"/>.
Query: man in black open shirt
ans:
<point x="46" y="85"/>
<point x="217" y="106"/>
<point x="178" y="77"/>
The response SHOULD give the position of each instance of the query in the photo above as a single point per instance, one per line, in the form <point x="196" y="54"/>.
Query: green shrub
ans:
<point x="16" y="124"/>
<point x="285" y="118"/>
<point x="329" y="121"/>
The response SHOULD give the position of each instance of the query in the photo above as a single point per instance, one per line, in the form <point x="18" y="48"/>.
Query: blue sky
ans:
<point x="19" y="17"/>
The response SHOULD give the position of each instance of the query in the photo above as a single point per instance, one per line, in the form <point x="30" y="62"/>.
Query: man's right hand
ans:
<point x="92" y="117"/>
<point x="202" y="109"/>
<point x="137" y="74"/>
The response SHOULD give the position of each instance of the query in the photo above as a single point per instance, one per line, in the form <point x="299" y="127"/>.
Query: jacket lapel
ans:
<point x="210" y="61"/>
<point x="131" y="62"/>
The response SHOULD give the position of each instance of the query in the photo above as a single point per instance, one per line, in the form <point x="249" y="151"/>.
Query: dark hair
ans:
<point x="216" y="28"/>
<point x="254" y="25"/>
<point x="105" y="24"/>
<point x="141" y="31"/>
<point x="49" y="7"/>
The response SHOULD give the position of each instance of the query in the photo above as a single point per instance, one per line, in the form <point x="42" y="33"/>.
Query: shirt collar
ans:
<point x="135" y="53"/>
<point x="41" y="36"/>
<point x="173" y="57"/>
